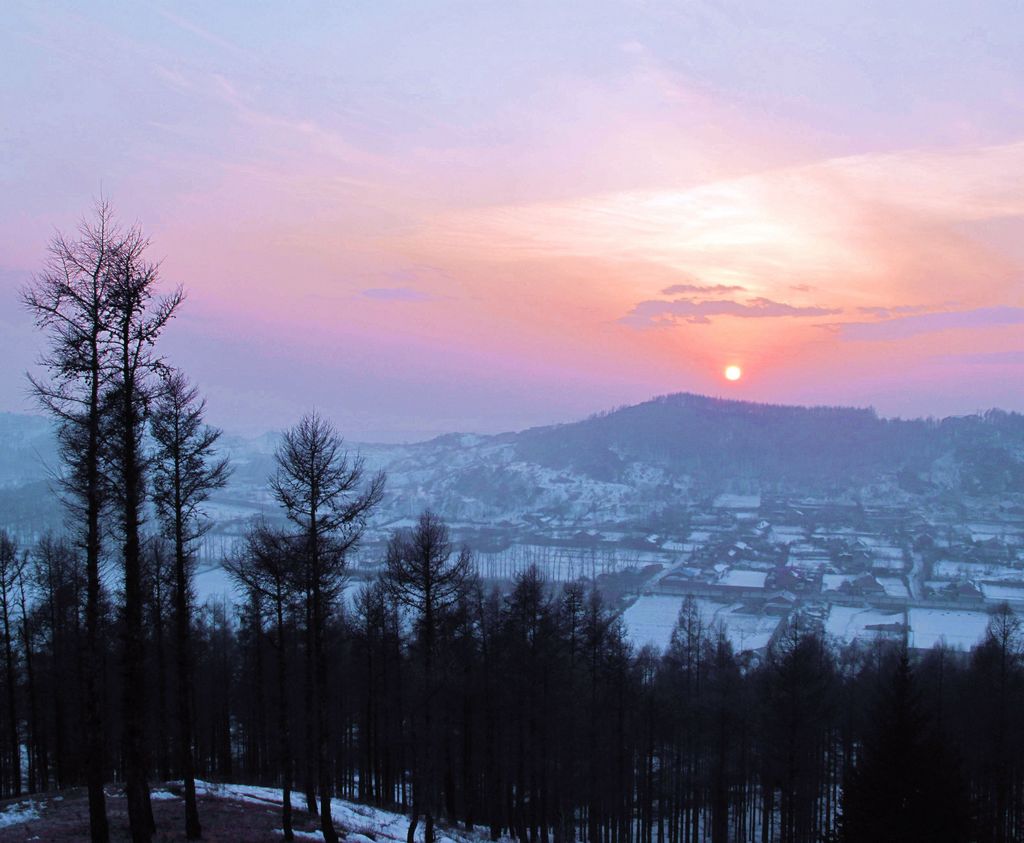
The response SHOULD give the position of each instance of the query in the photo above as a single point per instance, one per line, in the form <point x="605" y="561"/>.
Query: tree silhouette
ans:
<point x="185" y="471"/>
<point x="69" y="300"/>
<point x="134" y="316"/>
<point x="325" y="493"/>
<point x="905" y="786"/>
<point x="425" y="575"/>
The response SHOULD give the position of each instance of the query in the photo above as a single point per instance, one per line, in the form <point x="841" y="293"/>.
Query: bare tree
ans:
<point x="268" y="567"/>
<point x="135" y="317"/>
<point x="325" y="493"/>
<point x="57" y="576"/>
<point x="36" y="755"/>
<point x="69" y="302"/>
<point x="185" y="471"/>
<point x="11" y="564"/>
<point x="156" y="564"/>
<point x="426" y="576"/>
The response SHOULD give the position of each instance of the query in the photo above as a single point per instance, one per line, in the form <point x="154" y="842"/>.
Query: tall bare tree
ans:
<point x="156" y="566"/>
<point x="325" y="492"/>
<point x="36" y="756"/>
<point x="69" y="301"/>
<point x="268" y="567"/>
<point x="58" y="580"/>
<point x="185" y="471"/>
<point x="426" y="576"/>
<point x="11" y="565"/>
<point x="135" y="316"/>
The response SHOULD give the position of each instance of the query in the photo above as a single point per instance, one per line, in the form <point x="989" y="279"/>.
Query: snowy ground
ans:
<point x="960" y="629"/>
<point x="213" y="582"/>
<point x="362" y="823"/>
<point x="742" y="578"/>
<point x="55" y="818"/>
<point x="20" y="812"/>
<point x="651" y="619"/>
<point x="852" y="623"/>
<point x="1002" y="592"/>
<point x="948" y="569"/>
<point x="894" y="587"/>
<point x="833" y="582"/>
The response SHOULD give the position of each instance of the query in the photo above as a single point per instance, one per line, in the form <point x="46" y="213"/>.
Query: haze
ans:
<point x="463" y="216"/>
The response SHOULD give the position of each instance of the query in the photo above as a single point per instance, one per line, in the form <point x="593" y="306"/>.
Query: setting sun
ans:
<point x="733" y="373"/>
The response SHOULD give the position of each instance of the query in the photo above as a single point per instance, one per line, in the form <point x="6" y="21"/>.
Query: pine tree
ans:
<point x="135" y="316"/>
<point x="905" y="786"/>
<point x="70" y="300"/>
<point x="326" y="494"/>
<point x="268" y="565"/>
<point x="185" y="471"/>
<point x="426" y="576"/>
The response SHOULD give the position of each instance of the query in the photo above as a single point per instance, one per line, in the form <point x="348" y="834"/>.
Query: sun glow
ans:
<point x="733" y="373"/>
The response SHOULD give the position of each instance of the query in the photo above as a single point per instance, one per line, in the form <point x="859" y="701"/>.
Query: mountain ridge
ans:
<point x="629" y="465"/>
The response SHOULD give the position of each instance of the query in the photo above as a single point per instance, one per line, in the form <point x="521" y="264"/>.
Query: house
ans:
<point x="864" y="586"/>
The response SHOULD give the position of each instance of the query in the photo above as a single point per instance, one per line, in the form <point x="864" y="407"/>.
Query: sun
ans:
<point x="733" y="373"/>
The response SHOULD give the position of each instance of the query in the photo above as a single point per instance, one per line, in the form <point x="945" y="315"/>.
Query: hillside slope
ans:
<point x="619" y="467"/>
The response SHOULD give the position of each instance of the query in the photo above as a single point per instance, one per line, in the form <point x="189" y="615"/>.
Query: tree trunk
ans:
<point x="140" y="812"/>
<point x="410" y="836"/>
<point x="37" y="761"/>
<point x="193" y="829"/>
<point x="308" y="762"/>
<point x="282" y="715"/>
<point x="99" y="829"/>
<point x="320" y="665"/>
<point x="163" y="755"/>
<point x="12" y="692"/>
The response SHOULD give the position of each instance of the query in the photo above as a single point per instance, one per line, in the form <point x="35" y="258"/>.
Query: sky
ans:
<point x="428" y="217"/>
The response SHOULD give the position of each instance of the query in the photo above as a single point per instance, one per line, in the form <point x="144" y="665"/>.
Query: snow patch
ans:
<point x="953" y="627"/>
<point x="652" y="618"/>
<point x="362" y="823"/>
<point x="20" y="812"/>
<point x="162" y="795"/>
<point x="852" y="623"/>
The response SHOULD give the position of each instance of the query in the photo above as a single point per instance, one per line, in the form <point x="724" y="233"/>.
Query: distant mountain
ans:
<point x="621" y="464"/>
<point x="727" y="442"/>
<point x="624" y="467"/>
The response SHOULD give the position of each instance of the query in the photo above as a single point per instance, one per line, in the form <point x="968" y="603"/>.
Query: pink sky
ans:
<point x="474" y="218"/>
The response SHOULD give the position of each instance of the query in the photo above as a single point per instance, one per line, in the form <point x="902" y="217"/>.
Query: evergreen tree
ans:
<point x="70" y="301"/>
<point x="327" y="496"/>
<point x="426" y="576"/>
<point x="135" y="317"/>
<point x="185" y="471"/>
<point x="905" y="786"/>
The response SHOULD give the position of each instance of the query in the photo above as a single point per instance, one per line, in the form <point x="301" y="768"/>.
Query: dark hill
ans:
<point x="614" y="467"/>
<point x="716" y="440"/>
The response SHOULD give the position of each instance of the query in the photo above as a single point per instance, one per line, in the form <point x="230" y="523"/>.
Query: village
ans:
<point x="757" y="565"/>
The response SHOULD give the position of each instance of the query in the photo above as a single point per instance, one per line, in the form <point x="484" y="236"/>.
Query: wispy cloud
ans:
<point x="903" y="327"/>
<point x="897" y="310"/>
<point x="396" y="294"/>
<point x="653" y="313"/>
<point x="684" y="289"/>
<point x="211" y="38"/>
<point x="851" y="228"/>
<point x="1014" y="357"/>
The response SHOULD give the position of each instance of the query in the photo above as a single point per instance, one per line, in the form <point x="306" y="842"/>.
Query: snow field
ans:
<point x="960" y="629"/>
<point x="852" y="623"/>
<point x="651" y="619"/>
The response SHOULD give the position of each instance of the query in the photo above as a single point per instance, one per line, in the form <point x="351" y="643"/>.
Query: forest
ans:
<point x="516" y="709"/>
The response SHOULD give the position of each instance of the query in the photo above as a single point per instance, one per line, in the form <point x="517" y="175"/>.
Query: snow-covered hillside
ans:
<point x="59" y="817"/>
